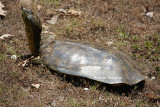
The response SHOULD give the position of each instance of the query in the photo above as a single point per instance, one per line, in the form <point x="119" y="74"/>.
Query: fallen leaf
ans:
<point x="153" y="78"/>
<point x="6" y="36"/>
<point x="74" y="12"/>
<point x="25" y="63"/>
<point x="39" y="7"/>
<point x="36" y="85"/>
<point x="109" y="43"/>
<point x="61" y="11"/>
<point x="149" y="14"/>
<point x="53" y="20"/>
<point x="50" y="13"/>
<point x="48" y="32"/>
<point x="2" y="12"/>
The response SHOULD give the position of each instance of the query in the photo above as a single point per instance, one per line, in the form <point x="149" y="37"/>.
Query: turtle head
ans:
<point x="33" y="29"/>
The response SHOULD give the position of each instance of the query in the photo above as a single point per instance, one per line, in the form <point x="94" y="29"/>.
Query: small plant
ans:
<point x="135" y="47"/>
<point x="95" y="86"/>
<point x="135" y="88"/>
<point x="97" y="25"/>
<point x="159" y="74"/>
<point x="122" y="33"/>
<point x="74" y="103"/>
<point x="148" y="44"/>
<point x="134" y="38"/>
<point x="73" y="25"/>
<point x="1" y="56"/>
<point x="11" y="50"/>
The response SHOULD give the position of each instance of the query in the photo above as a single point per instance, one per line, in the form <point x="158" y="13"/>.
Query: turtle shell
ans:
<point x="90" y="61"/>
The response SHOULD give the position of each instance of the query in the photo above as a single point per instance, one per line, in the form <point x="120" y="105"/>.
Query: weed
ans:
<point x="11" y="50"/>
<point x="2" y="56"/>
<point x="122" y="43"/>
<point x="136" y="47"/>
<point x="95" y="86"/>
<point x="148" y="44"/>
<point x="69" y="29"/>
<point x="138" y="103"/>
<point x="122" y="103"/>
<point x="0" y="90"/>
<point x="135" y="38"/>
<point x="135" y="88"/>
<point x="53" y="1"/>
<point x="97" y="25"/>
<point x="159" y="74"/>
<point x="74" y="103"/>
<point x="122" y="34"/>
<point x="72" y="25"/>
<point x="5" y="101"/>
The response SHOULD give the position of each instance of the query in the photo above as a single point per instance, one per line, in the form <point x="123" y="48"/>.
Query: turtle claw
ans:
<point x="37" y="60"/>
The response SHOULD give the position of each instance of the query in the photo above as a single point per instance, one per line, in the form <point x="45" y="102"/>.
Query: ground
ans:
<point x="122" y="22"/>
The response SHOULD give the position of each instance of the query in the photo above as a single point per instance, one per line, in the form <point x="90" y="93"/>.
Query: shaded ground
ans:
<point x="102" y="21"/>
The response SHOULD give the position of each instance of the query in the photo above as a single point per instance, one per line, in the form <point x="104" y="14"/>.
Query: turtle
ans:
<point x="106" y="65"/>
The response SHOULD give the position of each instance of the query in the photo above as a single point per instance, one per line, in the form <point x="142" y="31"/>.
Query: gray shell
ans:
<point x="105" y="65"/>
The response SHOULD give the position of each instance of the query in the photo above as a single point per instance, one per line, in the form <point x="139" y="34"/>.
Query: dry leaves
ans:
<point x="109" y="43"/>
<point x="53" y="20"/>
<point x="39" y="7"/>
<point x="62" y="12"/>
<point x="36" y="85"/>
<point x="149" y="14"/>
<point x="2" y="12"/>
<point x="74" y="12"/>
<point x="6" y="36"/>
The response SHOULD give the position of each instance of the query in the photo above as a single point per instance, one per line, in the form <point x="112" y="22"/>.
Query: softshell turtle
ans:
<point x="80" y="59"/>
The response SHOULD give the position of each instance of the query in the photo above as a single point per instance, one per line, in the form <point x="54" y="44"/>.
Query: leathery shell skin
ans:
<point x="105" y="65"/>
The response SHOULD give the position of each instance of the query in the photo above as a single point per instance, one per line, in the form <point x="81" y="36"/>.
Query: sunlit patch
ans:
<point x="91" y="70"/>
<point x="79" y="59"/>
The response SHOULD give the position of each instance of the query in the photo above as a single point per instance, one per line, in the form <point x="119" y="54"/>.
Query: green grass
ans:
<point x="122" y="34"/>
<point x="74" y="103"/>
<point x="2" y="56"/>
<point x="10" y="50"/>
<point x="73" y="25"/>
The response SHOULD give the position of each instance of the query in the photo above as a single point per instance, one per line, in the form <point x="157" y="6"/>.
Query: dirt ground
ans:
<point x="123" y="22"/>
